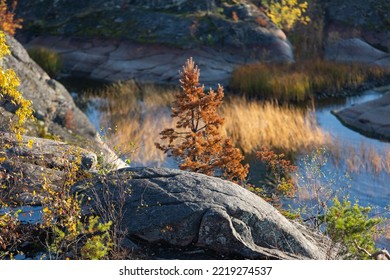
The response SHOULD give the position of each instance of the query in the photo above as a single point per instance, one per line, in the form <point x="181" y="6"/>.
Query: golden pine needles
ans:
<point x="8" y="23"/>
<point x="197" y="140"/>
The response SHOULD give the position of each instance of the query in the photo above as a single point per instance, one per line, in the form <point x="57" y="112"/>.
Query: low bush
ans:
<point x="49" y="60"/>
<point x="351" y="226"/>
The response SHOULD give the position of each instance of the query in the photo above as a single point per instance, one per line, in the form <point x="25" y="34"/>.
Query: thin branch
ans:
<point x="377" y="255"/>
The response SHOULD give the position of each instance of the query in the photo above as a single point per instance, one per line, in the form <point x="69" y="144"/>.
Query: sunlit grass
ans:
<point x="301" y="80"/>
<point x="252" y="124"/>
<point x="138" y="114"/>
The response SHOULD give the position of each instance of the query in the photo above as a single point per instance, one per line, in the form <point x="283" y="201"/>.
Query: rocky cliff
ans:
<point x="238" y="25"/>
<point x="56" y="113"/>
<point x="150" y="40"/>
<point x="369" y="20"/>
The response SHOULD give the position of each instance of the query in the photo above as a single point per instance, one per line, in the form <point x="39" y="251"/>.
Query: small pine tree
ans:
<point x="196" y="141"/>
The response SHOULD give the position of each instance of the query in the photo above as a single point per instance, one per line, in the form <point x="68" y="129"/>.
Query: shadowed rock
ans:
<point x="179" y="208"/>
<point x="150" y="40"/>
<point x="371" y="118"/>
<point x="356" y="50"/>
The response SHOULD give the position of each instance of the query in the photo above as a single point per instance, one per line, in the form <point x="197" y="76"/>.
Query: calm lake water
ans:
<point x="368" y="187"/>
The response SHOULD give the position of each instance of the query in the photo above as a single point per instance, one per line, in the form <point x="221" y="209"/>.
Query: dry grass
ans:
<point x="299" y="81"/>
<point x="361" y="158"/>
<point x="252" y="124"/>
<point x="266" y="81"/>
<point x="138" y="114"/>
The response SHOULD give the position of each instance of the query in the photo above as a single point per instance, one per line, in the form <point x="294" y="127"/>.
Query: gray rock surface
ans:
<point x="370" y="118"/>
<point x="181" y="209"/>
<point x="356" y="50"/>
<point x="26" y="169"/>
<point x="52" y="103"/>
<point x="184" y="24"/>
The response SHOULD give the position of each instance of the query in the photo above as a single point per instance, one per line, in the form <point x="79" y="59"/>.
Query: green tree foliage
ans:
<point x="351" y="226"/>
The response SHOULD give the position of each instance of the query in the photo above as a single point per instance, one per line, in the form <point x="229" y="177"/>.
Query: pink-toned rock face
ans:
<point x="150" y="40"/>
<point x="368" y="20"/>
<point x="379" y="38"/>
<point x="112" y="60"/>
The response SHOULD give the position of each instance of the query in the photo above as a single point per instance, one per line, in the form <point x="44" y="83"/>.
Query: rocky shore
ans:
<point x="166" y="210"/>
<point x="56" y="113"/>
<point x="371" y="118"/>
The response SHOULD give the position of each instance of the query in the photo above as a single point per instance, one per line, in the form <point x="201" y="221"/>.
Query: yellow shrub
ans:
<point x="286" y="13"/>
<point x="9" y="83"/>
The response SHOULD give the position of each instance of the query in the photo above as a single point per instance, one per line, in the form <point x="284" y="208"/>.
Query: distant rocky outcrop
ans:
<point x="357" y="51"/>
<point x="369" y="20"/>
<point x="183" y="24"/>
<point x="167" y="208"/>
<point x="107" y="60"/>
<point x="371" y="118"/>
<point x="150" y="40"/>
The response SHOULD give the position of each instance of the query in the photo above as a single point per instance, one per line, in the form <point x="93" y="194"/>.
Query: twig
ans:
<point x="378" y="255"/>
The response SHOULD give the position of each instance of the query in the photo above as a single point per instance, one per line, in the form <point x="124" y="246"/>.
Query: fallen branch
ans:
<point x="378" y="255"/>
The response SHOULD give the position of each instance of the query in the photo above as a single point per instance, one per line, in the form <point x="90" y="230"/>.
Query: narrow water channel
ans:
<point x="367" y="186"/>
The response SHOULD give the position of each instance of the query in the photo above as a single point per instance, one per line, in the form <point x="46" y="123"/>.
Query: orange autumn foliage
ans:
<point x="8" y="23"/>
<point x="197" y="141"/>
